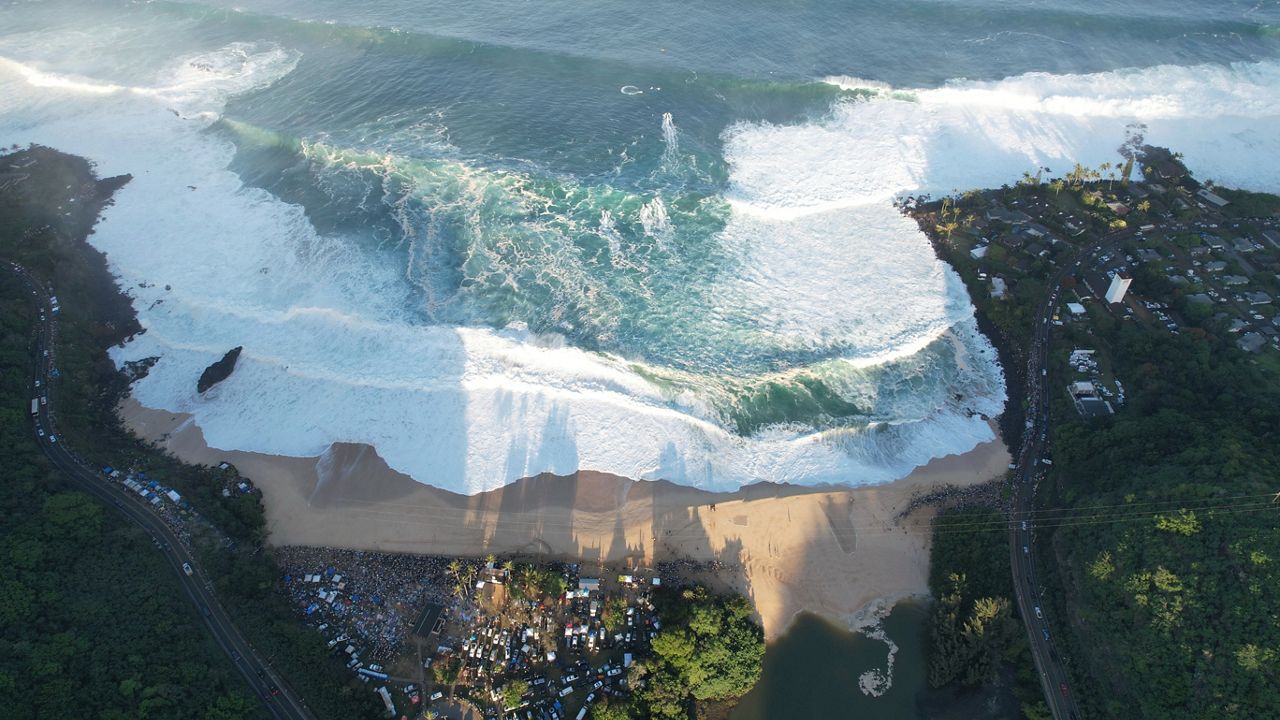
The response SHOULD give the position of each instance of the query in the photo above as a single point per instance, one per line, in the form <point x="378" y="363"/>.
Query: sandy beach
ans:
<point x="834" y="552"/>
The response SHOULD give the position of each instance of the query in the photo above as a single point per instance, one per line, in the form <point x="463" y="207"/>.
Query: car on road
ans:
<point x="186" y="568"/>
<point x="1045" y="631"/>
<point x="1039" y="615"/>
<point x="1026" y="550"/>
<point x="1062" y="687"/>
<point x="276" y="691"/>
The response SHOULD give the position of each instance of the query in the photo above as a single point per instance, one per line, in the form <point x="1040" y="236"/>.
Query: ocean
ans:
<point x="494" y="239"/>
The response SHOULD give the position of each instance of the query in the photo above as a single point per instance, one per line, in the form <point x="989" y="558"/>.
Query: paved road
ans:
<point x="1053" y="677"/>
<point x="279" y="700"/>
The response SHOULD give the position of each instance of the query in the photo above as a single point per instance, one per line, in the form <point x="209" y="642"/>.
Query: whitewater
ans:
<point x="822" y="279"/>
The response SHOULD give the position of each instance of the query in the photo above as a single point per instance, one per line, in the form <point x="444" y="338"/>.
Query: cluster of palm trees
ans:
<point x="464" y="576"/>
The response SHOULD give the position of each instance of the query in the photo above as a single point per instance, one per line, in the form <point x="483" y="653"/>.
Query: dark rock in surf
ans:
<point x="218" y="371"/>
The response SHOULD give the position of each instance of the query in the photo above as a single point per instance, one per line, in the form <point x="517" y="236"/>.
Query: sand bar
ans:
<point x="833" y="552"/>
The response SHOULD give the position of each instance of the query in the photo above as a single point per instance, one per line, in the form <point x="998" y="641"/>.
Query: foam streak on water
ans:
<point x="820" y="267"/>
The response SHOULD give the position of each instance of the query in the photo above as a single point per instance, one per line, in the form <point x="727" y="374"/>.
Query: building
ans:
<point x="1119" y="286"/>
<point x="1215" y="266"/>
<point x="429" y="620"/>
<point x="1235" y="280"/>
<point x="998" y="288"/>
<point x="1214" y="200"/>
<point x="978" y="252"/>
<point x="589" y="585"/>
<point x="1001" y="214"/>
<point x="1075" y="308"/>
<point x="1244" y="245"/>
<point x="1085" y="398"/>
<point x="1251" y="342"/>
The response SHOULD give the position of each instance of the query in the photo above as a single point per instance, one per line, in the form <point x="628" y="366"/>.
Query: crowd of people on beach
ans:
<point x="985" y="495"/>
<point x="375" y="596"/>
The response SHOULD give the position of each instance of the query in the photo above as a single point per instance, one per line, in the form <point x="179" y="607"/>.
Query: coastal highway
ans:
<point x="1058" y="692"/>
<point x="275" y="695"/>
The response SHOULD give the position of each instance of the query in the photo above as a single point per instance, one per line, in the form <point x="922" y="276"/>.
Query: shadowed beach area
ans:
<point x="831" y="551"/>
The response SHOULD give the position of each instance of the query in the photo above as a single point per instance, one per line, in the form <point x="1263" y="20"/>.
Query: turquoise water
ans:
<point x="491" y="238"/>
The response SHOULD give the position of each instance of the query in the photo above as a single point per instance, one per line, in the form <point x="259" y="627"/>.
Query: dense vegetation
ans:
<point x="107" y="598"/>
<point x="1160" y="521"/>
<point x="1172" y="589"/>
<point x="976" y="639"/>
<point x="92" y="620"/>
<point x="708" y="650"/>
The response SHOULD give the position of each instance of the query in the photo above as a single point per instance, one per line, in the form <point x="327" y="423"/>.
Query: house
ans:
<point x="1149" y="255"/>
<point x="1075" y="308"/>
<point x="1199" y="299"/>
<point x="1083" y="388"/>
<point x="978" y="252"/>
<point x="1272" y="237"/>
<point x="1251" y="342"/>
<point x="1085" y="398"/>
<point x="1232" y="280"/>
<point x="589" y="584"/>
<point x="1243" y="245"/>
<point x="1215" y="266"/>
<point x="1258" y="298"/>
<point x="1120" y="209"/>
<point x="997" y="213"/>
<point x="1213" y="199"/>
<point x="1179" y="280"/>
<point x="998" y="288"/>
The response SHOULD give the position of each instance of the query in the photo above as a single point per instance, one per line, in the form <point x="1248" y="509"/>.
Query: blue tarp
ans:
<point x="107" y="470"/>
<point x="328" y="572"/>
<point x="376" y="600"/>
<point x="288" y="578"/>
<point x="312" y="608"/>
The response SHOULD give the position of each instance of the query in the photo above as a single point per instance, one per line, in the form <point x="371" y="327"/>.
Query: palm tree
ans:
<point x="1057" y="186"/>
<point x="1144" y="206"/>
<point x="1077" y="175"/>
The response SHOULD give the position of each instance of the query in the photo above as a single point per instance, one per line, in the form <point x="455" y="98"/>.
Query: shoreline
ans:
<point x="828" y="550"/>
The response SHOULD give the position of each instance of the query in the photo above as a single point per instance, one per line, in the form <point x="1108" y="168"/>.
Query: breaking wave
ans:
<point x="479" y="322"/>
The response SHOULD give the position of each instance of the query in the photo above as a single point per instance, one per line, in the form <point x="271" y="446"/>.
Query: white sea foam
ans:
<point x="332" y="354"/>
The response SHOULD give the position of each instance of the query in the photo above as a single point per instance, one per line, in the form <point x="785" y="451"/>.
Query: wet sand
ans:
<point x="833" y="552"/>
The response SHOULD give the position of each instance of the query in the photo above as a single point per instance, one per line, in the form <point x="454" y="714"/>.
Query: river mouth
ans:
<point x="818" y="669"/>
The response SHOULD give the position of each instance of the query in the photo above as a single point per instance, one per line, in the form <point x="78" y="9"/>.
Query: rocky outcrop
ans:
<point x="218" y="371"/>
